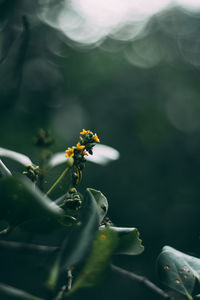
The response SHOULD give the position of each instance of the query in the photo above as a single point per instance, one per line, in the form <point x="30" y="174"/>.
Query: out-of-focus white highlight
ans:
<point x="108" y="13"/>
<point x="102" y="155"/>
<point x="189" y="4"/>
<point x="90" y="21"/>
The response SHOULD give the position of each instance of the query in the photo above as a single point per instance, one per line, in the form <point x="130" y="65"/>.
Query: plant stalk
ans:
<point x="144" y="281"/>
<point x="58" y="180"/>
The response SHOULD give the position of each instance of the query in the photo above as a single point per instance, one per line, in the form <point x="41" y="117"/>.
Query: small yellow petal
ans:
<point x="70" y="152"/>
<point x="84" y="152"/>
<point x="83" y="132"/>
<point x="95" y="137"/>
<point x="79" y="146"/>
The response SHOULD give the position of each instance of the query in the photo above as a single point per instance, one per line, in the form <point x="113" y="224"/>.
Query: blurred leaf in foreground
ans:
<point x="99" y="259"/>
<point x="21" y="200"/>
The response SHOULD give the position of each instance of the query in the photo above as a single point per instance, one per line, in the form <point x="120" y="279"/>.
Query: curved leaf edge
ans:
<point x="16" y="156"/>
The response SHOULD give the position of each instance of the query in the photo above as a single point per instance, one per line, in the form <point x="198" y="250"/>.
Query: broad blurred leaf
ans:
<point x="14" y="293"/>
<point x="4" y="171"/>
<point x="101" y="201"/>
<point x="20" y="158"/>
<point x="78" y="242"/>
<point x="129" y="241"/>
<point x="102" y="155"/>
<point x="178" y="271"/>
<point x="99" y="259"/>
<point x="21" y="200"/>
<point x="80" y="239"/>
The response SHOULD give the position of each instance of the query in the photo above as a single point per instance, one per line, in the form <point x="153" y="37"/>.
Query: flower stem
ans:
<point x="58" y="180"/>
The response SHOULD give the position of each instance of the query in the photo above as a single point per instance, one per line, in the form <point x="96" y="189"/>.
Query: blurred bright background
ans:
<point x="129" y="70"/>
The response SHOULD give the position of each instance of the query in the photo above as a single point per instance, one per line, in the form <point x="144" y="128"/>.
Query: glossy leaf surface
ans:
<point x="178" y="271"/>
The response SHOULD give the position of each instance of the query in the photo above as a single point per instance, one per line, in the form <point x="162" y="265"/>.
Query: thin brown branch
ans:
<point x="142" y="280"/>
<point x="65" y="287"/>
<point x="23" y="246"/>
<point x="70" y="277"/>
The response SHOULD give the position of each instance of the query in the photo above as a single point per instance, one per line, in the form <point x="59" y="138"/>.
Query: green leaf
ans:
<point x="129" y="241"/>
<point x="4" y="171"/>
<point x="20" y="158"/>
<point x="102" y="155"/>
<point x="21" y="200"/>
<point x="178" y="271"/>
<point x="82" y="234"/>
<point x="101" y="201"/>
<point x="77" y="244"/>
<point x="99" y="259"/>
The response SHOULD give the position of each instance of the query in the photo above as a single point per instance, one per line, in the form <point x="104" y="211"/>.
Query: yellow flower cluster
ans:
<point x="95" y="137"/>
<point x="79" y="146"/>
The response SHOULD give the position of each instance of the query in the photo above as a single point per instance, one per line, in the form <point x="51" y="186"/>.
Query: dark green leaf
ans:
<point x="77" y="244"/>
<point x="82" y="234"/>
<point x="20" y="158"/>
<point x="4" y="171"/>
<point x="129" y="241"/>
<point x="101" y="201"/>
<point x="99" y="259"/>
<point x="178" y="271"/>
<point x="21" y="200"/>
